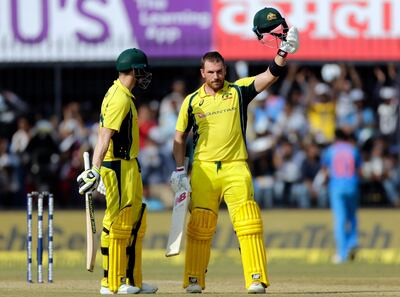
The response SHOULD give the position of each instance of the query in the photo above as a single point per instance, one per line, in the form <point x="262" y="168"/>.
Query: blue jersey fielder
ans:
<point x="342" y="161"/>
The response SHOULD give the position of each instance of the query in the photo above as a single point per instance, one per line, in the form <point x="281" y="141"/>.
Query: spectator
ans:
<point x="260" y="122"/>
<point x="21" y="137"/>
<point x="155" y="174"/>
<point x="19" y="143"/>
<point x="362" y="120"/>
<point x="345" y="107"/>
<point x="291" y="123"/>
<point x="289" y="188"/>
<point x="262" y="166"/>
<point x="343" y="87"/>
<point x="274" y="105"/>
<point x="380" y="176"/>
<point x="11" y="107"/>
<point x="169" y="108"/>
<point x="43" y="154"/>
<point x="8" y="179"/>
<point x="316" y="193"/>
<point x="388" y="112"/>
<point x="321" y="112"/>
<point x="146" y="121"/>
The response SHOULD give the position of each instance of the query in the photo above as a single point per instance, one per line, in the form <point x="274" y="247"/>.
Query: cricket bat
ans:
<point x="90" y="223"/>
<point x="178" y="220"/>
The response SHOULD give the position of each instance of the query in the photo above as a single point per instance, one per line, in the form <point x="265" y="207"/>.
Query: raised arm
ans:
<point x="277" y="67"/>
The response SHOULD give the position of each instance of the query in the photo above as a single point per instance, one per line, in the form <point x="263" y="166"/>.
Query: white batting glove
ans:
<point x="101" y="188"/>
<point x="291" y="45"/>
<point x="179" y="180"/>
<point x="88" y="180"/>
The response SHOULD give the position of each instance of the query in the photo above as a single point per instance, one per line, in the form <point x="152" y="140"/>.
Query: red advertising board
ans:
<point x="362" y="30"/>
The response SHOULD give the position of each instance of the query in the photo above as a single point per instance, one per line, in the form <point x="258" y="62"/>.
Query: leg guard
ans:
<point x="249" y="230"/>
<point x="105" y="243"/>
<point x="200" y="231"/>
<point x="119" y="235"/>
<point x="134" y="251"/>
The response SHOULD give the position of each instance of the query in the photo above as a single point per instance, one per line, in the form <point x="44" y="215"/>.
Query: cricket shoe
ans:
<point x="256" y="288"/>
<point x="336" y="259"/>
<point x="353" y="253"/>
<point x="148" y="289"/>
<point x="193" y="288"/>
<point x="122" y="290"/>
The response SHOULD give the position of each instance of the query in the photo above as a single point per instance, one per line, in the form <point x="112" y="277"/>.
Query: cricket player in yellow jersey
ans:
<point x="115" y="160"/>
<point x="217" y="113"/>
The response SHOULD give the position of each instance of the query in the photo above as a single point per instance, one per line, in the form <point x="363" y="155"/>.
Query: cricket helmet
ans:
<point x="268" y="19"/>
<point x="131" y="58"/>
<point x="135" y="59"/>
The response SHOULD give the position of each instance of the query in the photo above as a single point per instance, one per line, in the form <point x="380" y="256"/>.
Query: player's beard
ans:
<point x="216" y="85"/>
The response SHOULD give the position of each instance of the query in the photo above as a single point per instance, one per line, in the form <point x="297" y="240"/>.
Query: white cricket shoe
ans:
<point x="193" y="288"/>
<point x="256" y="288"/>
<point x="148" y="289"/>
<point x="336" y="259"/>
<point x="122" y="290"/>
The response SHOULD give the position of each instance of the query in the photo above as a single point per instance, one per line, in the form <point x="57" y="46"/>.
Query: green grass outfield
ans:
<point x="289" y="277"/>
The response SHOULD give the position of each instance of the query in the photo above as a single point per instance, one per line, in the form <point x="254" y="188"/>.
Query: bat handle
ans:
<point x="86" y="160"/>
<point x="186" y="164"/>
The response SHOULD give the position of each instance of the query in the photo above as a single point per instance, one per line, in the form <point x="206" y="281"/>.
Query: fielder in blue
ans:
<point x="342" y="163"/>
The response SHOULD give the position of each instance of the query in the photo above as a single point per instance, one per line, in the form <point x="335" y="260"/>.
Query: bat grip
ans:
<point x="86" y="160"/>
<point x="186" y="164"/>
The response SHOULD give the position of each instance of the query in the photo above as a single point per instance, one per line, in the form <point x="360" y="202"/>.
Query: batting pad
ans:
<point x="249" y="230"/>
<point x="120" y="232"/>
<point x="200" y="231"/>
<point x="105" y="243"/>
<point x="117" y="263"/>
<point x="134" y="251"/>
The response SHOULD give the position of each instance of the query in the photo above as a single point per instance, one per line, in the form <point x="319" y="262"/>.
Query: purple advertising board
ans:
<point x="74" y="30"/>
<point x="170" y="27"/>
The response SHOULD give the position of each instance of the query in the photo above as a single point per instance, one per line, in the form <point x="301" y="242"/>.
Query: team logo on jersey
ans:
<point x="227" y="96"/>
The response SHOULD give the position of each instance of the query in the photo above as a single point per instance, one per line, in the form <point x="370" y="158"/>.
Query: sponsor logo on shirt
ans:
<point x="227" y="96"/>
<point x="217" y="112"/>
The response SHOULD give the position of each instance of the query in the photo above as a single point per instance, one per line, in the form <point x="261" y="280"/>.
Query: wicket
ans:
<point x="39" y="251"/>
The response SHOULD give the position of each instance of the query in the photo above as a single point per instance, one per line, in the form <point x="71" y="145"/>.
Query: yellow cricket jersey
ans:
<point x="218" y="122"/>
<point x="119" y="113"/>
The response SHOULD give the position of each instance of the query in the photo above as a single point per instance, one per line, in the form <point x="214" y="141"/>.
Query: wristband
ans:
<point x="275" y="69"/>
<point x="282" y="53"/>
<point x="182" y="168"/>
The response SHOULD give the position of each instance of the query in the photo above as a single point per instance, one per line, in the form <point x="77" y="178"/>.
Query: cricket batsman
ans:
<point x="217" y="114"/>
<point x="115" y="160"/>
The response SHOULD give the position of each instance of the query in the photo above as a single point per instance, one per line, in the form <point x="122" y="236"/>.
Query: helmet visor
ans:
<point x="273" y="38"/>
<point x="143" y="77"/>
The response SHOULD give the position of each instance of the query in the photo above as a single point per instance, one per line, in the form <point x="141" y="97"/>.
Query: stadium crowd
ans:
<point x="288" y="128"/>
